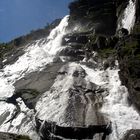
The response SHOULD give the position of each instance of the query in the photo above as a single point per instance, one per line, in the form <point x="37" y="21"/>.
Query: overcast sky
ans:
<point x="18" y="17"/>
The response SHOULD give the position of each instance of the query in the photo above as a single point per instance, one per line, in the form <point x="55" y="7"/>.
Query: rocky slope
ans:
<point x="79" y="82"/>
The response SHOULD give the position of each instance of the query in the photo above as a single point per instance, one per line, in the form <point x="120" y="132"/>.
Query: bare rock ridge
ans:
<point x="79" y="79"/>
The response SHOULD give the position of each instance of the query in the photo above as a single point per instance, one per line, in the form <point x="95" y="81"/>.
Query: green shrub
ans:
<point x="130" y="47"/>
<point x="136" y="29"/>
<point x="4" y="48"/>
<point x="106" y="52"/>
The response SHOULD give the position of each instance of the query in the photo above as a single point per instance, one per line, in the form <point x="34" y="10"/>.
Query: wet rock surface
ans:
<point x="40" y="80"/>
<point x="80" y="95"/>
<point x="78" y="102"/>
<point x="132" y="135"/>
<point x="78" y="92"/>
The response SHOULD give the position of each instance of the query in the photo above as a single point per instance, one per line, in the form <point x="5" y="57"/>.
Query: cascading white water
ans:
<point x="43" y="52"/>
<point x="116" y="108"/>
<point x="129" y="16"/>
<point x="36" y="57"/>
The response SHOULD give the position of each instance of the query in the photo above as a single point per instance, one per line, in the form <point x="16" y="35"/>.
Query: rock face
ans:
<point x="80" y="96"/>
<point x="129" y="61"/>
<point x="129" y="64"/>
<point x="39" y="80"/>
<point x="95" y="14"/>
<point x="132" y="135"/>
<point x="80" y="82"/>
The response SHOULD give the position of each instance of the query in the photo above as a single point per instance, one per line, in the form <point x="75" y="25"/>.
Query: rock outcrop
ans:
<point x="129" y="61"/>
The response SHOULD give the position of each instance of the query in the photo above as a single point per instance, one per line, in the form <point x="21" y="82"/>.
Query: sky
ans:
<point x="19" y="17"/>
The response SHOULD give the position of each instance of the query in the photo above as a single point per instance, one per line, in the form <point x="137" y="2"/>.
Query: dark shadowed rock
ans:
<point x="1" y="64"/>
<point x="50" y="130"/>
<point x="13" y="55"/>
<point x="129" y="62"/>
<point x="132" y="135"/>
<point x="72" y="54"/>
<point x="98" y="14"/>
<point x="79" y="38"/>
<point x="29" y="97"/>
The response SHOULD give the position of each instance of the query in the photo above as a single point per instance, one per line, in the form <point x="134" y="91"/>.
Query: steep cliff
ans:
<point x="129" y="61"/>
<point x="95" y="14"/>
<point x="79" y="82"/>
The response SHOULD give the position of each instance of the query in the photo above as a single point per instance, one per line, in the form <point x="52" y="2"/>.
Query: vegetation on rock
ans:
<point x="4" y="48"/>
<point x="105" y="53"/>
<point x="129" y="63"/>
<point x="22" y="137"/>
<point x="11" y="136"/>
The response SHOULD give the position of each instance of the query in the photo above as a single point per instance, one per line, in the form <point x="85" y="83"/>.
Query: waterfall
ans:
<point x="40" y="53"/>
<point x="37" y="55"/>
<point x="129" y="16"/>
<point x="123" y="116"/>
<point x="115" y="108"/>
<point x="56" y="102"/>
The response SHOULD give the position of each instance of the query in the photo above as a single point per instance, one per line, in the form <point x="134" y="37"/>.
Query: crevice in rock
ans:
<point x="50" y="130"/>
<point x="28" y="96"/>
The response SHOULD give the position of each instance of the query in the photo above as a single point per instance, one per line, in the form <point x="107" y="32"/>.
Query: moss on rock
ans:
<point x="11" y="136"/>
<point x="22" y="137"/>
